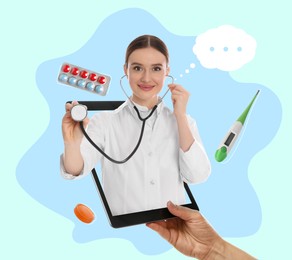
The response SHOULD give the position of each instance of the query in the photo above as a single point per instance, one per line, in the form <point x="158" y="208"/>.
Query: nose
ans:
<point x="145" y="76"/>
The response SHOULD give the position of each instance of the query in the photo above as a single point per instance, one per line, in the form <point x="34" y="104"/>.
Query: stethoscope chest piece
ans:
<point x="78" y="112"/>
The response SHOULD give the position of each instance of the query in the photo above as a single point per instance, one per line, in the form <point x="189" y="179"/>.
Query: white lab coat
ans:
<point x="156" y="172"/>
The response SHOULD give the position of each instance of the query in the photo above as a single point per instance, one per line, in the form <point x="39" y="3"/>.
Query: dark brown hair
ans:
<point x="145" y="41"/>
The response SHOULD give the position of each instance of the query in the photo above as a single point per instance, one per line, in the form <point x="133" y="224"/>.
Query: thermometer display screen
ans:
<point x="229" y="139"/>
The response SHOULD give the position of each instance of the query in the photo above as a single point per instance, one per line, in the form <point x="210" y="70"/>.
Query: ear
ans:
<point x="126" y="69"/>
<point x="167" y="70"/>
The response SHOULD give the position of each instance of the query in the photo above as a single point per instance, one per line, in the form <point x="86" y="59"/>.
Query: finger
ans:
<point x="172" y="86"/>
<point x="176" y="86"/>
<point x="68" y="105"/>
<point x="67" y="114"/>
<point x="154" y="225"/>
<point x="177" y="92"/>
<point x="178" y="97"/>
<point x="182" y="212"/>
<point x="160" y="228"/>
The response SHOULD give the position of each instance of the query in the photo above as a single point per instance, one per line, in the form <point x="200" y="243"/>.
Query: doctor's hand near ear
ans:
<point x="180" y="97"/>
<point x="192" y="235"/>
<point x="72" y="136"/>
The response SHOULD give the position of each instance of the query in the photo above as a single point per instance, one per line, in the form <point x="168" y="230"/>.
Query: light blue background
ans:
<point x="39" y="32"/>
<point x="232" y="206"/>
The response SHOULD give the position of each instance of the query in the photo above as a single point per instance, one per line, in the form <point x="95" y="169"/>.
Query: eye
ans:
<point x="137" y="68"/>
<point x="157" y="68"/>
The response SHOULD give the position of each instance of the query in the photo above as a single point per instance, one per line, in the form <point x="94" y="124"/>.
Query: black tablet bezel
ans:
<point x="135" y="218"/>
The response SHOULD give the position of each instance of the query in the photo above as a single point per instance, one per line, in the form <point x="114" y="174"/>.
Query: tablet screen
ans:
<point x="140" y="217"/>
<point x="127" y="213"/>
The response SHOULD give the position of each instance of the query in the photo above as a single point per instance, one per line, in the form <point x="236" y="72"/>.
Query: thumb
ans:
<point x="182" y="212"/>
<point x="171" y="86"/>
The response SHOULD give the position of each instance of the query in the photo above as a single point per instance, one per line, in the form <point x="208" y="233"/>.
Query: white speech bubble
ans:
<point x="225" y="48"/>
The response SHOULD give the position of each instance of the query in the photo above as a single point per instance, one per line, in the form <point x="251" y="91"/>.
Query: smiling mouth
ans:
<point x="145" y="87"/>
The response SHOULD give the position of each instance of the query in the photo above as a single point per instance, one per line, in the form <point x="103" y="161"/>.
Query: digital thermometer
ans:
<point x="233" y="133"/>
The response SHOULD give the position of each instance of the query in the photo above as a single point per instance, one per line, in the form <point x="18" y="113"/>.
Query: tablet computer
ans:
<point x="134" y="218"/>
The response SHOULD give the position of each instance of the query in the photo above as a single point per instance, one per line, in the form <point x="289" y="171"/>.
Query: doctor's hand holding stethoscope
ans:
<point x="72" y="136"/>
<point x="70" y="128"/>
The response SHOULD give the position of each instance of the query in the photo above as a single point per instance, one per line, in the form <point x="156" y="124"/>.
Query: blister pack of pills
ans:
<point x="85" y="79"/>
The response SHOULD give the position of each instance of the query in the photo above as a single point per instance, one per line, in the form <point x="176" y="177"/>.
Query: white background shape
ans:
<point x="225" y="48"/>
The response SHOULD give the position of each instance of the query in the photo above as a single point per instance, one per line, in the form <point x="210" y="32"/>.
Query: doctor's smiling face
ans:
<point x="146" y="69"/>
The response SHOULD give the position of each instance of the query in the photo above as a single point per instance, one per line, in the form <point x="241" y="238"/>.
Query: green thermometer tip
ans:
<point x="221" y="154"/>
<point x="243" y="116"/>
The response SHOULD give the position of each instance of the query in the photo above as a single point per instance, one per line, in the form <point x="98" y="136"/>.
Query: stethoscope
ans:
<point x="79" y="113"/>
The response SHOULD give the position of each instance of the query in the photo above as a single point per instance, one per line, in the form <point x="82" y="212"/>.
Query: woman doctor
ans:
<point x="171" y="151"/>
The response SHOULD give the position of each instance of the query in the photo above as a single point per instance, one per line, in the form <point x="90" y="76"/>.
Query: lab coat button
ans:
<point x="150" y="154"/>
<point x="152" y="182"/>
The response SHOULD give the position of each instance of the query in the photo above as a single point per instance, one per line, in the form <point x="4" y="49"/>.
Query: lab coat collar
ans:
<point x="144" y="109"/>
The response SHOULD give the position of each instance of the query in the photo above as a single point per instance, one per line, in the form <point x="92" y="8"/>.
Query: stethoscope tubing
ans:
<point x="136" y="147"/>
<point x="141" y="132"/>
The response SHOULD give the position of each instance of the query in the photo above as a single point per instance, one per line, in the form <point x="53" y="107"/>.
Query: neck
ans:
<point x="150" y="103"/>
